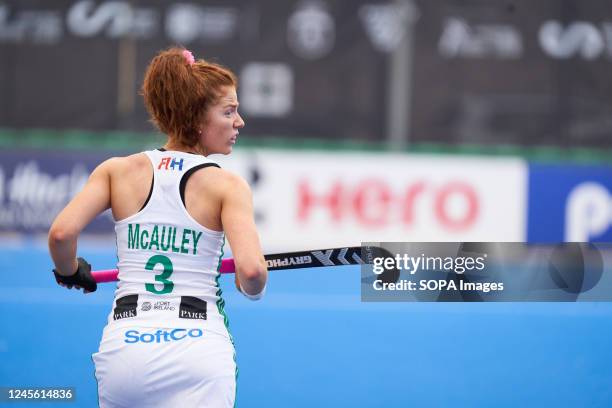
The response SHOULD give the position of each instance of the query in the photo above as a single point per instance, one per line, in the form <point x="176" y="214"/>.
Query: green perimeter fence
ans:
<point x="43" y="139"/>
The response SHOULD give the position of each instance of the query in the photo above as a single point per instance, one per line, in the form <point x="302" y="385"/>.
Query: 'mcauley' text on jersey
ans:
<point x="163" y="238"/>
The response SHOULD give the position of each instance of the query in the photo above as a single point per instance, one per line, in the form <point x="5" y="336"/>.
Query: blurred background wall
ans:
<point x="407" y="120"/>
<point x="447" y="71"/>
<point x="505" y="84"/>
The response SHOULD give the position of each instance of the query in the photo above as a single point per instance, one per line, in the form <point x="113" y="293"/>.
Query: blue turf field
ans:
<point x="312" y="343"/>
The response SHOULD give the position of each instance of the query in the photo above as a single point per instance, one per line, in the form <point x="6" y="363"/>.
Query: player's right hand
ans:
<point x="82" y="278"/>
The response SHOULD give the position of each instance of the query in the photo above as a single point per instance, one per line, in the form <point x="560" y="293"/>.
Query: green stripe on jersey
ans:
<point x="221" y="309"/>
<point x="220" y="301"/>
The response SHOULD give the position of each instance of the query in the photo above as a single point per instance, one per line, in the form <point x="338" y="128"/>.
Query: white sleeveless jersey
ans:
<point x="168" y="263"/>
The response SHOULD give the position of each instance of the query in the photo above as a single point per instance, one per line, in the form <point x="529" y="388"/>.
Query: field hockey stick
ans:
<point x="291" y="260"/>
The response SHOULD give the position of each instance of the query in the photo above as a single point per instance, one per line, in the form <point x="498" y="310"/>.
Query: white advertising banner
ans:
<point x="315" y="199"/>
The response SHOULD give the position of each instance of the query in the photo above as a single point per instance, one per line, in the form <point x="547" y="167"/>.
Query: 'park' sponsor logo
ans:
<point x="192" y="308"/>
<point x="125" y="307"/>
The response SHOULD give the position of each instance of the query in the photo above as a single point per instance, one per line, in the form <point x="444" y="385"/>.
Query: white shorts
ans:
<point x="165" y="367"/>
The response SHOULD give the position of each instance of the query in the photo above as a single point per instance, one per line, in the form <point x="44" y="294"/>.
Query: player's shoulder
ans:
<point x="236" y="181"/>
<point x="222" y="178"/>
<point x="122" y="164"/>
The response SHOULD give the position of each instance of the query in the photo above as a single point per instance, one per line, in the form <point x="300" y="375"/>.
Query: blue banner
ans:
<point x="36" y="185"/>
<point x="569" y="203"/>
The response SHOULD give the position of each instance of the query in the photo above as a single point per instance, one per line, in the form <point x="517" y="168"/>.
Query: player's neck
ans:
<point x="179" y="147"/>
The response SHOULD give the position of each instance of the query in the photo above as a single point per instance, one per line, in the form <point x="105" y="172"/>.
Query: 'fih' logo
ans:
<point x="167" y="163"/>
<point x="192" y="308"/>
<point x="125" y="307"/>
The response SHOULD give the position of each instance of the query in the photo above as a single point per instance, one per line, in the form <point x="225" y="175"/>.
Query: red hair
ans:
<point x="177" y="92"/>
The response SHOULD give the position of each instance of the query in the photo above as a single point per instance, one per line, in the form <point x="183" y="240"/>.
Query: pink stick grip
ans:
<point x="110" y="275"/>
<point x="107" y="275"/>
<point x="227" y="266"/>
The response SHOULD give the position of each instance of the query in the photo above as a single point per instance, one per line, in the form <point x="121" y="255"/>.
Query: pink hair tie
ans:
<point x="189" y="57"/>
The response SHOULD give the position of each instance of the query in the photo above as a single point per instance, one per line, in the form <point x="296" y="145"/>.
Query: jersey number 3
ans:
<point x="161" y="277"/>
